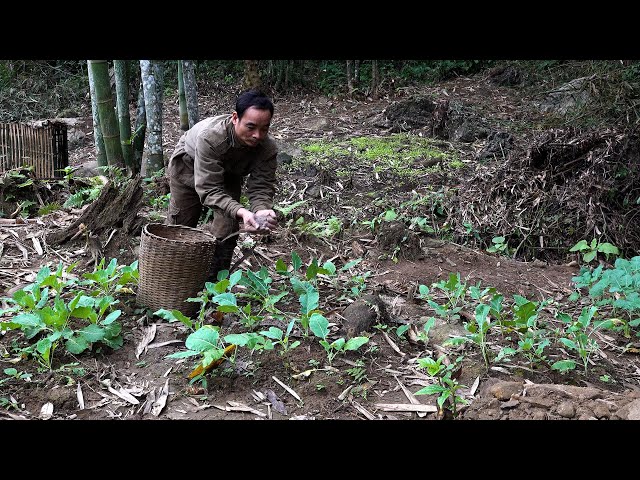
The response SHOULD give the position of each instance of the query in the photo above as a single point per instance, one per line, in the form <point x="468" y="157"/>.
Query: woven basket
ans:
<point x="173" y="265"/>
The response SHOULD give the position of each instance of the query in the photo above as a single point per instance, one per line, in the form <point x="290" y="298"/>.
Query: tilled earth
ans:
<point x="378" y="381"/>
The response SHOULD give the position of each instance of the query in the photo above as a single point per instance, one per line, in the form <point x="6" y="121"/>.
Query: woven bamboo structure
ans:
<point x="173" y="265"/>
<point x="43" y="147"/>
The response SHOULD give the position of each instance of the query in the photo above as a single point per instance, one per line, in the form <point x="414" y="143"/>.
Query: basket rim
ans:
<point x="145" y="231"/>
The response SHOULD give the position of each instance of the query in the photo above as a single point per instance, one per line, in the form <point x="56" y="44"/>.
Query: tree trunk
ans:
<point x="375" y="79"/>
<point x="141" y="129"/>
<point x="124" y="120"/>
<point x="182" y="101"/>
<point x="151" y="71"/>
<point x="114" y="208"/>
<point x="349" y="79"/>
<point x="191" y="91"/>
<point x="108" y="120"/>
<point x="356" y="72"/>
<point x="251" y="74"/>
<point x="98" y="141"/>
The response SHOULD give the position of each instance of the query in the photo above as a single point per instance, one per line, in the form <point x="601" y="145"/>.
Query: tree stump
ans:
<point x="114" y="208"/>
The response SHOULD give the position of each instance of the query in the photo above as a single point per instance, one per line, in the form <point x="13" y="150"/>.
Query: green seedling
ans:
<point x="589" y="251"/>
<point x="447" y="387"/>
<point x="498" y="245"/>
<point x="281" y="338"/>
<point x="319" y="325"/>
<point x="477" y="331"/>
<point x="579" y="337"/>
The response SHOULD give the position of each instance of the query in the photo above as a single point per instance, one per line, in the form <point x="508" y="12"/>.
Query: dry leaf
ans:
<point x="148" y="334"/>
<point x="46" y="412"/>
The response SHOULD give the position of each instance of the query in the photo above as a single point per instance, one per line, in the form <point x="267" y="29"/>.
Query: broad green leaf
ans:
<point x="240" y="339"/>
<point x="608" y="249"/>
<point x="218" y="287"/>
<point x="184" y="354"/>
<point x="227" y="308"/>
<point x="309" y="301"/>
<point x="401" y="330"/>
<point x="454" y="341"/>
<point x="274" y="333"/>
<point x="329" y="267"/>
<point x="578" y="247"/>
<point x="281" y="267"/>
<point x="319" y="325"/>
<point x="351" y="264"/>
<point x="235" y="278"/>
<point x="296" y="261"/>
<point x="111" y="269"/>
<point x="76" y="344"/>
<point x="44" y="345"/>
<point x="355" y="343"/>
<point x="111" y="331"/>
<point x="81" y="312"/>
<point x="203" y="339"/>
<point x="91" y="333"/>
<point x="312" y="270"/>
<point x="24" y="299"/>
<point x="430" y="390"/>
<point x="111" y="317"/>
<point x="390" y="215"/>
<point x="563" y="365"/>
<point x="28" y="320"/>
<point x="590" y="256"/>
<point x="169" y="315"/>
<point x="113" y="341"/>
<point x="290" y="327"/>
<point x="225" y="299"/>
<point x="569" y="343"/>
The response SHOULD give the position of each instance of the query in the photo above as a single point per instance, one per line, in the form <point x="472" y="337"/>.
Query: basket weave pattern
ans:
<point x="173" y="265"/>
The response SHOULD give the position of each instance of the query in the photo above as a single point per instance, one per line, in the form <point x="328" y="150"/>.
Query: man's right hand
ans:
<point x="254" y="223"/>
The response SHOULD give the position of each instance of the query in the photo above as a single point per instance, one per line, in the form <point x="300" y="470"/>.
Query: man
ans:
<point x="209" y="165"/>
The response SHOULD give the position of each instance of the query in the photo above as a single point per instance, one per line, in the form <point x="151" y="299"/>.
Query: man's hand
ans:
<point x="266" y="219"/>
<point x="263" y="221"/>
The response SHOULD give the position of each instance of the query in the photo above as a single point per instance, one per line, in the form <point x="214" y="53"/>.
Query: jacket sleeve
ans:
<point x="209" y="178"/>
<point x="261" y="184"/>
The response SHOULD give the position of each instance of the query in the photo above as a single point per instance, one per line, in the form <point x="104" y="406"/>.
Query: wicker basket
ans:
<point x="174" y="264"/>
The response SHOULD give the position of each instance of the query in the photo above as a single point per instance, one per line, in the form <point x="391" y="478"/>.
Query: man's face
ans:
<point x="253" y="127"/>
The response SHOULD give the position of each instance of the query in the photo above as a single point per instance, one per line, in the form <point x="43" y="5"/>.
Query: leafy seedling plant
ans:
<point x="43" y="314"/>
<point x="589" y="251"/>
<point x="447" y="387"/>
<point x="319" y="325"/>
<point x="578" y="337"/>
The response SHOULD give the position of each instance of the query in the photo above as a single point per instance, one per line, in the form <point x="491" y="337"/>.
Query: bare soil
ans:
<point x="377" y="381"/>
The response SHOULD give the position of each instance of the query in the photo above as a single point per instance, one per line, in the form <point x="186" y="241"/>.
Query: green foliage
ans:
<point x="85" y="194"/>
<point x="48" y="320"/>
<point x="447" y="387"/>
<point x="281" y="338"/>
<point x="578" y="337"/>
<point x="477" y="331"/>
<point x="590" y="251"/>
<point x="617" y="288"/>
<point x="49" y="208"/>
<point x="319" y="325"/>
<point x="499" y="245"/>
<point x="328" y="228"/>
<point x="205" y="342"/>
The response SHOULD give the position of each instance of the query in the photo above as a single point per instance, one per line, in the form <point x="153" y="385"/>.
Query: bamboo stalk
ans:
<point x="3" y="147"/>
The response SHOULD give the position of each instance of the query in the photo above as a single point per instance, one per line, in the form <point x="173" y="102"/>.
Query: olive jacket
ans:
<point x="209" y="155"/>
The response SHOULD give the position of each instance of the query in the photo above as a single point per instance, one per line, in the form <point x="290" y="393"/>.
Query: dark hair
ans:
<point x="253" y="98"/>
